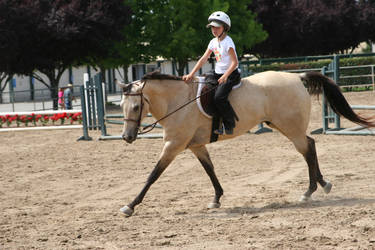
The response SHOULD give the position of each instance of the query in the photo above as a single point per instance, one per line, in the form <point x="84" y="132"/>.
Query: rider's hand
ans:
<point x="222" y="79"/>
<point x="187" y="78"/>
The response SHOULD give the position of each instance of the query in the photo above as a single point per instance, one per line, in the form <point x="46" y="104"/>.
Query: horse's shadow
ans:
<point x="336" y="202"/>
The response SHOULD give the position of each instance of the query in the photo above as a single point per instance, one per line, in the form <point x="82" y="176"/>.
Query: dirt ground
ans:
<point x="57" y="193"/>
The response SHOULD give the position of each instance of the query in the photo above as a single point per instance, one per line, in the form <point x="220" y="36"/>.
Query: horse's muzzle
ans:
<point x="128" y="138"/>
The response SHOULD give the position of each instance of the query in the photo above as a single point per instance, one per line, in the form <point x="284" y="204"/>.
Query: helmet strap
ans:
<point x="218" y="38"/>
<point x="221" y="34"/>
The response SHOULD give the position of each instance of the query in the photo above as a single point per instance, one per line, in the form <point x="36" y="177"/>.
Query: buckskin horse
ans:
<point x="280" y="99"/>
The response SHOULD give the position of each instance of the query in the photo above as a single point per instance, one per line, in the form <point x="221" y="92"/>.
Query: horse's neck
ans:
<point x="166" y="96"/>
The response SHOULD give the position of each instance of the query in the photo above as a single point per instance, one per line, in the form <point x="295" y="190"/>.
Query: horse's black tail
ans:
<point x="316" y="82"/>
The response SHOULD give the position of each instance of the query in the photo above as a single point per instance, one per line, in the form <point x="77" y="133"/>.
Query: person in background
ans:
<point x="61" y="98"/>
<point x="68" y="96"/>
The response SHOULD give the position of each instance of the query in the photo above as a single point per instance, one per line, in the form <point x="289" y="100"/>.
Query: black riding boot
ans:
<point x="222" y="104"/>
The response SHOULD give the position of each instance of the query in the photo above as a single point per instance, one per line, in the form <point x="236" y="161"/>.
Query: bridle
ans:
<point x="143" y="99"/>
<point x="151" y="126"/>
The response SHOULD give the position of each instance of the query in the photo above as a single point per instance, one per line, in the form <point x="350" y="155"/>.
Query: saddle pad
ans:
<point x="201" y="84"/>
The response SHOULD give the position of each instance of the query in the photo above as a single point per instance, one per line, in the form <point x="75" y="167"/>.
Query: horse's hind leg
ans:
<point x="202" y="154"/>
<point x="306" y="147"/>
<point x="326" y="185"/>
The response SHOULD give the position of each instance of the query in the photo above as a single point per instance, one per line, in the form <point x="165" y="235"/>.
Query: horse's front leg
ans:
<point x="202" y="154"/>
<point x="170" y="150"/>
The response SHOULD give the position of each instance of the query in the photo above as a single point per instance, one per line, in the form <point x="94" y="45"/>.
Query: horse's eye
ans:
<point x="135" y="108"/>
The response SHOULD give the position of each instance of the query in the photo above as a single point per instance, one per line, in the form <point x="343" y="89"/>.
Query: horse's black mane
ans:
<point x="156" y="75"/>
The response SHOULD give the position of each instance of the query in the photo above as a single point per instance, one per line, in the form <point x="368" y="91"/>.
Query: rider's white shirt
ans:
<point x="221" y="49"/>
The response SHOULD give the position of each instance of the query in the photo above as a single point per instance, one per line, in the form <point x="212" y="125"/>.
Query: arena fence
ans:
<point x="329" y="116"/>
<point x="94" y="117"/>
<point x="331" y="123"/>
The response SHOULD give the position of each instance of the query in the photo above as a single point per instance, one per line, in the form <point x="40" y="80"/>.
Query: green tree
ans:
<point x="246" y="31"/>
<point x="177" y="28"/>
<point x="136" y="44"/>
<point x="48" y="36"/>
<point x="313" y="27"/>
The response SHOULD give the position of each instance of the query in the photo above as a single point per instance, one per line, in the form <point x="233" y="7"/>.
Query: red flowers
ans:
<point x="40" y="119"/>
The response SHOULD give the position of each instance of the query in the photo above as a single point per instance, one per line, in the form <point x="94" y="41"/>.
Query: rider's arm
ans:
<point x="197" y="66"/>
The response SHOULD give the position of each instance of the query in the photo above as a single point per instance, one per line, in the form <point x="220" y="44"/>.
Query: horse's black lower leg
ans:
<point x="321" y="181"/>
<point x="312" y="162"/>
<point x="204" y="158"/>
<point x="326" y="185"/>
<point x="208" y="167"/>
<point x="169" y="152"/>
<point x="314" y="171"/>
<point x="154" y="175"/>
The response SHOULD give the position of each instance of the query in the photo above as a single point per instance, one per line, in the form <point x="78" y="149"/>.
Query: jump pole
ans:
<point x="85" y="124"/>
<point x="40" y="128"/>
<point x="44" y="112"/>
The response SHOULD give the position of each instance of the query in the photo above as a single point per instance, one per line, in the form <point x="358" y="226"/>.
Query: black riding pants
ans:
<point x="223" y="107"/>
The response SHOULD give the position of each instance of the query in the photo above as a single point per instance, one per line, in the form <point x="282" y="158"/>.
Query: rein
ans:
<point x="151" y="126"/>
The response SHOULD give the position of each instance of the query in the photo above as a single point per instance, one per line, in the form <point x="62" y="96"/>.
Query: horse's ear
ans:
<point x="121" y="84"/>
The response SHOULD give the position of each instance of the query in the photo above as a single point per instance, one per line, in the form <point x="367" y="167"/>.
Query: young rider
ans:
<point x="226" y="71"/>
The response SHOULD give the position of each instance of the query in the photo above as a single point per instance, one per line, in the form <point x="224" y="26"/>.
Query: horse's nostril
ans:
<point x="125" y="137"/>
<point x="128" y="138"/>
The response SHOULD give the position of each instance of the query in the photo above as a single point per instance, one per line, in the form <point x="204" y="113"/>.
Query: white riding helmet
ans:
<point x="218" y="18"/>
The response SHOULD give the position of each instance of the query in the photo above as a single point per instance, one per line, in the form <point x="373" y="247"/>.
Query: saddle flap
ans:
<point x="206" y="100"/>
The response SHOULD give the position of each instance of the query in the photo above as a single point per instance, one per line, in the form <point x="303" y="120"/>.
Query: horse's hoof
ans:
<point x="214" y="205"/>
<point x="327" y="188"/>
<point x="127" y="210"/>
<point x="305" y="198"/>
